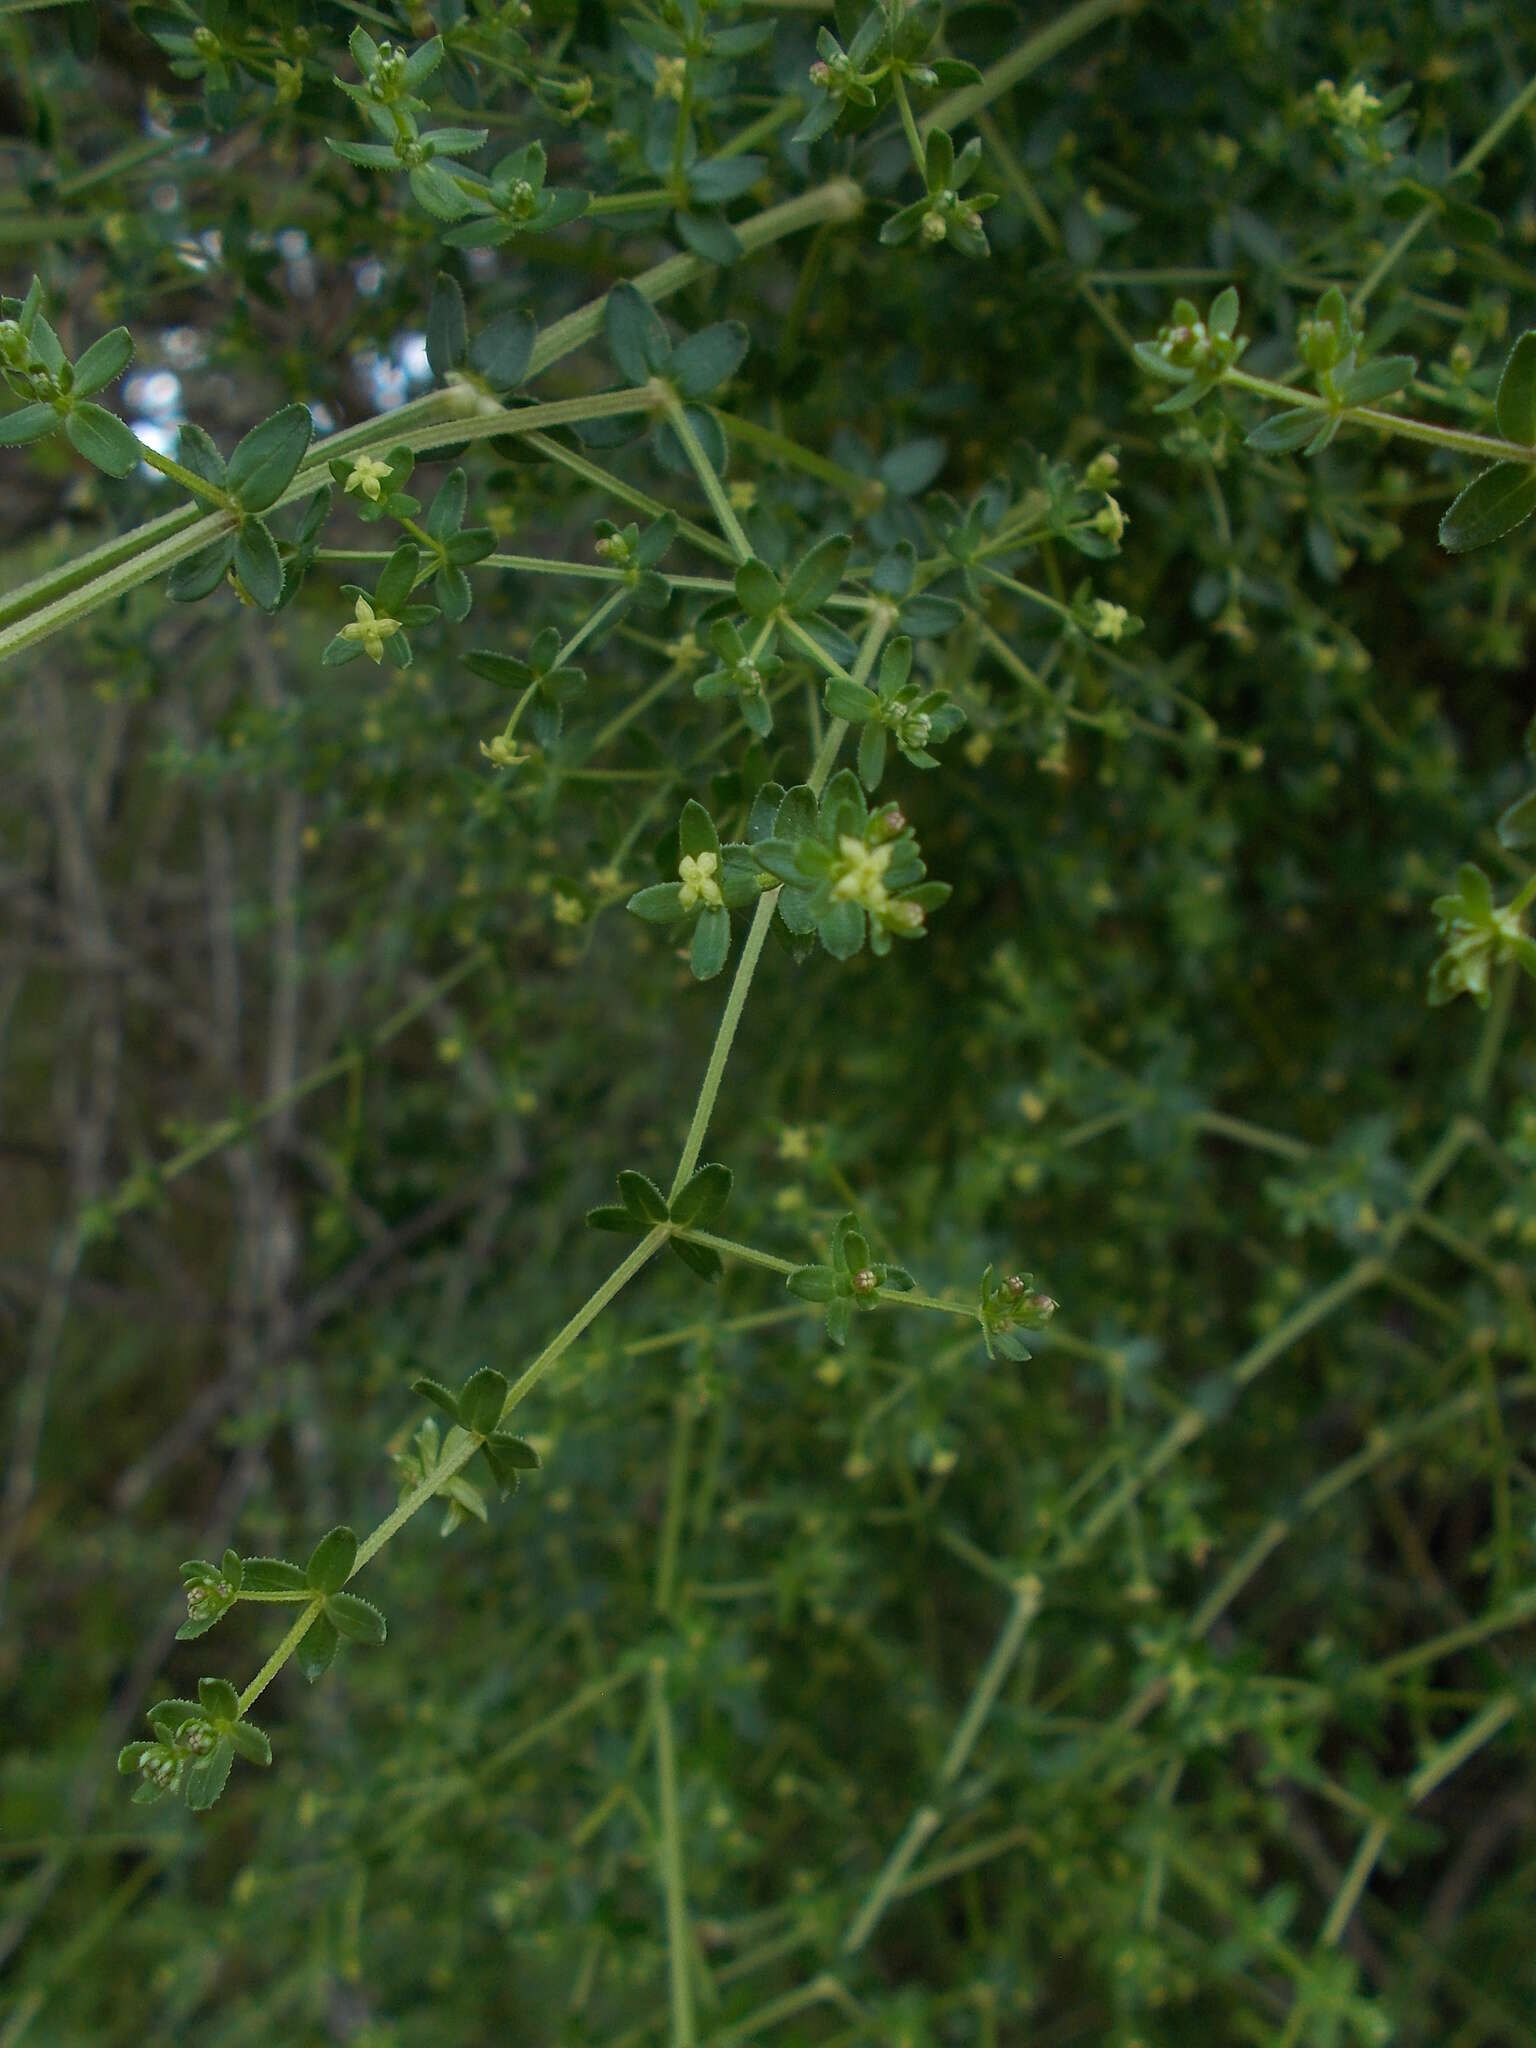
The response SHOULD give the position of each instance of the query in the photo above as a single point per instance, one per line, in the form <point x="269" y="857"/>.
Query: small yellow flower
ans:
<point x="860" y="881"/>
<point x="696" y="874"/>
<point x="368" y="476"/>
<point x="794" y="1143"/>
<point x="568" y="909"/>
<point x="1109" y="620"/>
<point x="671" y="78"/>
<point x="371" y="629"/>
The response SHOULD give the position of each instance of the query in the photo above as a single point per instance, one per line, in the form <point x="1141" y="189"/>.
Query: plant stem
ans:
<point x="927" y="1818"/>
<point x="679" y="1933"/>
<point x="757" y="932"/>
<point x="704" y="470"/>
<point x="279" y="1657"/>
<point x="1487" y="447"/>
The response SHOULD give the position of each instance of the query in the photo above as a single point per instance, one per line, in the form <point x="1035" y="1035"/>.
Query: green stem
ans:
<point x="704" y="470"/>
<point x="757" y="932"/>
<point x="178" y="473"/>
<point x="1487" y="447"/>
<point x="679" y="1932"/>
<point x="279" y="1657"/>
<point x="909" y="126"/>
<point x="1495" y="1024"/>
<point x="927" y="1818"/>
<point x="864" y="493"/>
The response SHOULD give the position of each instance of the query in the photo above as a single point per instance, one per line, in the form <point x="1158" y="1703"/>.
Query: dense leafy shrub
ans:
<point x="1044" y="488"/>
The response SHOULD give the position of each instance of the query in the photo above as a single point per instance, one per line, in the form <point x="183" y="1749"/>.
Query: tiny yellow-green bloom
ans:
<point x="696" y="875"/>
<point x="371" y="629"/>
<point x="368" y="476"/>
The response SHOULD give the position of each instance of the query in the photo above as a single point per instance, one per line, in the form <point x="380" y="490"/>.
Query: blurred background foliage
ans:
<point x="1259" y="1769"/>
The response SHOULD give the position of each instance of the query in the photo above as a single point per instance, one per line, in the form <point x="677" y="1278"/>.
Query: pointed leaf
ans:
<point x="702" y="1259"/>
<point x="209" y="1775"/>
<point x="435" y="1392"/>
<point x="1517" y="391"/>
<point x="1491" y="505"/>
<point x="264" y="462"/>
<point x="706" y="360"/>
<point x="102" y="438"/>
<point x="711" y="943"/>
<point x="272" y="1575"/>
<point x="637" y="341"/>
<point x="358" y="1620"/>
<point x="502" y="352"/>
<point x="331" y="1561"/>
<point x="103" y="362"/>
<point x="317" y="1652"/>
<point x="27" y="423"/>
<point x="257" y="563"/>
<point x="699" y="1201"/>
<point x="642" y="1198"/>
<point x="818" y="575"/>
<point x="481" y="1399"/>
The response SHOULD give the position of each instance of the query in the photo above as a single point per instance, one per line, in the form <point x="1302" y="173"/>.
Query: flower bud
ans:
<point x="865" y="1281"/>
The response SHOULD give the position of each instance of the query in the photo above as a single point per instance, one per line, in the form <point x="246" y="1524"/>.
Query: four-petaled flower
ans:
<point x="1109" y="620"/>
<point x="372" y="629"/>
<point x="862" y="877"/>
<point x="368" y="476"/>
<point x="696" y="878"/>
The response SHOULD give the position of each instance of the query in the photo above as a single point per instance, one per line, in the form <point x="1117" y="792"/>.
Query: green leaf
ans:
<point x="272" y="1575"/>
<point x="317" y="1652"/>
<point x="103" y="362"/>
<point x="358" y="1620"/>
<point x="502" y="352"/>
<point x="1377" y="379"/>
<point x="250" y="1743"/>
<point x="102" y="438"/>
<point x="657" y="905"/>
<point x="1284" y="430"/>
<point x="818" y="575"/>
<point x="447" y="328"/>
<point x="1517" y="825"/>
<point x="872" y="750"/>
<point x="1491" y="505"/>
<point x="641" y="1197"/>
<point x="257" y="563"/>
<point x="331" y="1561"/>
<point x="637" y="341"/>
<point x="813" y="1283"/>
<point x="1516" y="404"/>
<point x="608" y="1216"/>
<point x="264" y="462"/>
<point x="848" y="699"/>
<point x="706" y="360"/>
<point x="696" y="832"/>
<point x="939" y="162"/>
<point x="481" y="1400"/>
<point x="711" y="943"/>
<point x="757" y="588"/>
<point x="209" y="1775"/>
<point x="1222" y="318"/>
<point x="27" y="423"/>
<point x="699" y="1201"/>
<point x="393" y="592"/>
<point x="218" y="1699"/>
<point x="439" y="1395"/>
<point x="702" y="1259"/>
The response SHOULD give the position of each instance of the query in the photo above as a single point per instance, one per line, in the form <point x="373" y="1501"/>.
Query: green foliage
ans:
<point x="776" y="449"/>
